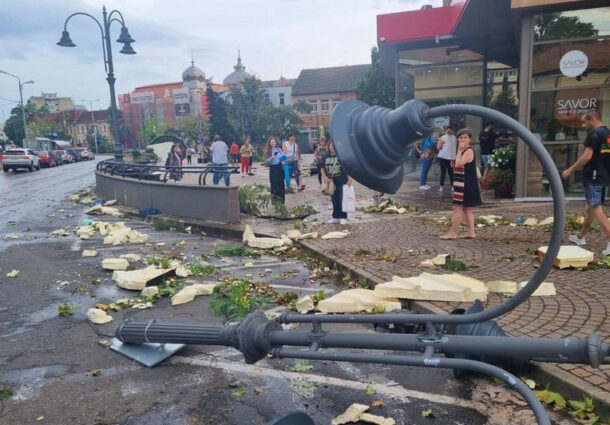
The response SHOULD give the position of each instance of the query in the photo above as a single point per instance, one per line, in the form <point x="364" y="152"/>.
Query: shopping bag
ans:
<point x="329" y="189"/>
<point x="349" y="199"/>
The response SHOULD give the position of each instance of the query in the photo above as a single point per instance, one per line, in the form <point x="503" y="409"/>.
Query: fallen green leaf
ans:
<point x="240" y="393"/>
<point x="428" y="413"/>
<point x="301" y="367"/>
<point x="370" y="390"/>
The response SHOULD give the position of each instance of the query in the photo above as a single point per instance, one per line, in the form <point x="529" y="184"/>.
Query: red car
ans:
<point x="47" y="159"/>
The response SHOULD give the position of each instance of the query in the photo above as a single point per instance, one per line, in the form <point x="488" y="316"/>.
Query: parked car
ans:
<point x="75" y="153"/>
<point x="85" y="153"/>
<point x="66" y="157"/>
<point x="20" y="158"/>
<point x="47" y="159"/>
<point x="59" y="154"/>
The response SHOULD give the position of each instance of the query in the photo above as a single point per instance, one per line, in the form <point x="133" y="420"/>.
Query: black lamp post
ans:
<point x="124" y="38"/>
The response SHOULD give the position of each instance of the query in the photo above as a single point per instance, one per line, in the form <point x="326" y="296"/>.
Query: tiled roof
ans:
<point x="282" y="82"/>
<point x="337" y="79"/>
<point x="79" y="116"/>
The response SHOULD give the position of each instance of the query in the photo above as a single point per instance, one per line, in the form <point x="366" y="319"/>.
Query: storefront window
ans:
<point x="570" y="76"/>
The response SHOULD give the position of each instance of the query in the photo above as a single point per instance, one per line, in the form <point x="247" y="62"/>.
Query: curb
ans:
<point x="569" y="385"/>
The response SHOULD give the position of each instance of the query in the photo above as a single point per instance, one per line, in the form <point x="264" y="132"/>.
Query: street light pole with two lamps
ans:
<point x="125" y="38"/>
<point x="25" y="126"/>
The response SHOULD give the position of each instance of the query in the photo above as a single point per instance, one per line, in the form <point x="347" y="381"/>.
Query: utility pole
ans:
<point x="25" y="126"/>
<point x="92" y="119"/>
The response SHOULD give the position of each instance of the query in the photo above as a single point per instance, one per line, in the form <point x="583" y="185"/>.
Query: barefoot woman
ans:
<point x="466" y="193"/>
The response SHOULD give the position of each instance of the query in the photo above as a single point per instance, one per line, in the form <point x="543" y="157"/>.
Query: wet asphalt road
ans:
<point x="47" y="360"/>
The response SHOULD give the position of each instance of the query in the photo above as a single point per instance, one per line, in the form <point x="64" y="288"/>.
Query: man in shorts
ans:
<point x="595" y="162"/>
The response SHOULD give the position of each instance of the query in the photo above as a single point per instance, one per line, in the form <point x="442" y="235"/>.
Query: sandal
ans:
<point x="448" y="236"/>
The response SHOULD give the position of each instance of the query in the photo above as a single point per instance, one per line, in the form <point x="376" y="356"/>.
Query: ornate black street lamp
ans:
<point x="125" y="38"/>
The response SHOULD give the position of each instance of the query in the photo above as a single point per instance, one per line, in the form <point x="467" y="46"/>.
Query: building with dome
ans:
<point x="239" y="74"/>
<point x="169" y="102"/>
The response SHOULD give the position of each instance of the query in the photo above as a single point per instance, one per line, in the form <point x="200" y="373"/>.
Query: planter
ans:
<point x="503" y="191"/>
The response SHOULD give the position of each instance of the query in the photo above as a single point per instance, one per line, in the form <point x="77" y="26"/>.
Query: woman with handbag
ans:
<point x="274" y="157"/>
<point x="334" y="176"/>
<point x="319" y="156"/>
<point x="466" y="193"/>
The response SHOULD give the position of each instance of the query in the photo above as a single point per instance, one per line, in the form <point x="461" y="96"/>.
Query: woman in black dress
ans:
<point x="275" y="157"/>
<point x="466" y="193"/>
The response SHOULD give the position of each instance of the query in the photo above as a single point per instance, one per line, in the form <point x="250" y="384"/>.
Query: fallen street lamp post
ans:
<point x="372" y="145"/>
<point x="25" y="126"/>
<point x="125" y="38"/>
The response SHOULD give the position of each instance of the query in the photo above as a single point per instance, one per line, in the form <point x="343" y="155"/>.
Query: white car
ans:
<point x="20" y="158"/>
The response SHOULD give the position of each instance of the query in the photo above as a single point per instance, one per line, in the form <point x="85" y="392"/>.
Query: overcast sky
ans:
<point x="275" y="37"/>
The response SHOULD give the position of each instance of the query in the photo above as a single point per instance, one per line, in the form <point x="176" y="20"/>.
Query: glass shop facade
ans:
<point x="543" y="62"/>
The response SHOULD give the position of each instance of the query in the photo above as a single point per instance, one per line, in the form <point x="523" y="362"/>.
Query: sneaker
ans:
<point x="344" y="221"/>
<point x="440" y="189"/>
<point x="577" y="240"/>
<point x="333" y="221"/>
<point x="424" y="187"/>
<point x="607" y="250"/>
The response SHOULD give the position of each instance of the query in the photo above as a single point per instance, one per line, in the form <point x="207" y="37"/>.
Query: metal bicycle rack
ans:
<point x="372" y="143"/>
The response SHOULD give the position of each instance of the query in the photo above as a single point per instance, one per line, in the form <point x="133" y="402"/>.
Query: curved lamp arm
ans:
<point x="121" y="20"/>
<point x="101" y="31"/>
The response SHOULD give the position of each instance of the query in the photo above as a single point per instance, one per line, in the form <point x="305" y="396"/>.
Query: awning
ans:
<point x="418" y="25"/>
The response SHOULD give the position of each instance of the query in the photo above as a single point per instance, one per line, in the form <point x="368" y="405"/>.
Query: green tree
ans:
<point x="554" y="26"/>
<point x="153" y="128"/>
<point x="191" y="126"/>
<point x="40" y="127"/>
<point x="302" y="107"/>
<point x="377" y="89"/>
<point x="103" y="143"/>
<point x="14" y="124"/>
<point x="219" y="121"/>
<point x="247" y="105"/>
<point x="275" y="121"/>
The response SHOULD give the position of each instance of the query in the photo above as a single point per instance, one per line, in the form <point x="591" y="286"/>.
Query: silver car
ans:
<point x="20" y="158"/>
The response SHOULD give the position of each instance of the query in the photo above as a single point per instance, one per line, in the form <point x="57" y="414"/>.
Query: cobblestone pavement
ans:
<point x="401" y="242"/>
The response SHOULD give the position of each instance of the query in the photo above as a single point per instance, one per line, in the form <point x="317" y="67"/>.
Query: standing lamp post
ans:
<point x="92" y="119"/>
<point x="125" y="38"/>
<point x="25" y="127"/>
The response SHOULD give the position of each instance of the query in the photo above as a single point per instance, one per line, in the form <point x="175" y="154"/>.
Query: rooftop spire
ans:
<point x="192" y="59"/>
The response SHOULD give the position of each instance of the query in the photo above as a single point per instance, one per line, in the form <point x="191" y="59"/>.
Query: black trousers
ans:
<point x="276" y="179"/>
<point x="189" y="159"/>
<point x="446" y="168"/>
<point x="319" y="168"/>
<point x="337" y="197"/>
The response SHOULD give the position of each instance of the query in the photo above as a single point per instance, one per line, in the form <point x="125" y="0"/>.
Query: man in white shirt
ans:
<point x="219" y="151"/>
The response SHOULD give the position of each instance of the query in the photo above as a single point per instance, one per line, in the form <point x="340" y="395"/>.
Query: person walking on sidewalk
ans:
<point x="275" y="157"/>
<point x="189" y="155"/>
<point x="319" y="156"/>
<point x="466" y="193"/>
<point x="174" y="163"/>
<point x="595" y="162"/>
<point x="234" y="153"/>
<point x="487" y="142"/>
<point x="447" y="149"/>
<point x="246" y="152"/>
<point x="332" y="170"/>
<point x="293" y="162"/>
<point x="219" y="150"/>
<point x="425" y="148"/>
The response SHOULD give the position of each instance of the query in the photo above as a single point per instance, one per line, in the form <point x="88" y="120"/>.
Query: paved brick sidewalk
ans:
<point x="580" y="307"/>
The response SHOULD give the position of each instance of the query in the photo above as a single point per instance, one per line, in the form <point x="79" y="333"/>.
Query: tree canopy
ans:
<point x="377" y="89"/>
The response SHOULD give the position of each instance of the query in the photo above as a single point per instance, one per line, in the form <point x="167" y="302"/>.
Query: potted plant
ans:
<point x="501" y="172"/>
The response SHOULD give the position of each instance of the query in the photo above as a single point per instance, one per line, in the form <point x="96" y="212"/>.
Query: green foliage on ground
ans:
<point x="236" y="298"/>
<point x="203" y="269"/>
<point x="162" y="262"/>
<point x="161" y="224"/>
<point x="236" y="251"/>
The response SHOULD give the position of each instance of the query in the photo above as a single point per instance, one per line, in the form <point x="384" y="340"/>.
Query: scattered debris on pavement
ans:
<point x="13" y="273"/>
<point x="336" y="235"/>
<point x="115" y="264"/>
<point x="439" y="260"/>
<point x="136" y="280"/>
<point x="433" y="287"/>
<point x="98" y="316"/>
<point x="188" y="293"/>
<point x="509" y="287"/>
<point x="356" y="413"/>
<point x="568" y="256"/>
<point x="357" y="300"/>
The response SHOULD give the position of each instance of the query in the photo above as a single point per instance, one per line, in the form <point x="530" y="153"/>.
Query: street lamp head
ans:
<point x="125" y="38"/>
<point x="65" y="40"/>
<point x="127" y="49"/>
